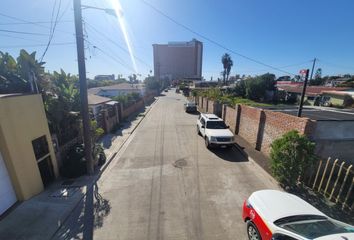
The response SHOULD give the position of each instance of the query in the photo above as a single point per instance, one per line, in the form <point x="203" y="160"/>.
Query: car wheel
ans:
<point x="207" y="144"/>
<point x="252" y="231"/>
<point x="198" y="131"/>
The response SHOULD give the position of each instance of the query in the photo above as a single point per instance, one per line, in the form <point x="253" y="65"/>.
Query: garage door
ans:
<point x="7" y="193"/>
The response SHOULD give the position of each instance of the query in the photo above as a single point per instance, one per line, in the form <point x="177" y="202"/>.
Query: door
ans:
<point x="7" y="193"/>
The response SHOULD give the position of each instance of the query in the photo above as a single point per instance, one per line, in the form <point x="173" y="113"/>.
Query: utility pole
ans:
<point x="313" y="67"/>
<point x="83" y="85"/>
<point x="303" y="91"/>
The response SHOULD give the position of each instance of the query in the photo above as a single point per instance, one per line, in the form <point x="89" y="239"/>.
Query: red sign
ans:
<point x="303" y="71"/>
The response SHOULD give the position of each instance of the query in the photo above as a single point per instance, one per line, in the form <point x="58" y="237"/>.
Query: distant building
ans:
<point x="118" y="89"/>
<point x="177" y="60"/>
<point x="105" y="111"/>
<point x="104" y="77"/>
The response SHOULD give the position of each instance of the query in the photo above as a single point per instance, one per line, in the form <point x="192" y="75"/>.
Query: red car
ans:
<point x="276" y="215"/>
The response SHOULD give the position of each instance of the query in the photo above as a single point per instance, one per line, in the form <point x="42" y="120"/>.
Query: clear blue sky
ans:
<point x="277" y="32"/>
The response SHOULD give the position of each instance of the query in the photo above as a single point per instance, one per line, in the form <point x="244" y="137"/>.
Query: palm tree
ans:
<point x="227" y="64"/>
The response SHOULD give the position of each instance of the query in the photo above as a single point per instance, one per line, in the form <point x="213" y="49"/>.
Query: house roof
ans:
<point x="121" y="86"/>
<point x="310" y="90"/>
<point x="95" y="99"/>
<point x="340" y="93"/>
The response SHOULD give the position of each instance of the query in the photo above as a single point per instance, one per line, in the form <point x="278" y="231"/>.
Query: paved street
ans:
<point x="164" y="184"/>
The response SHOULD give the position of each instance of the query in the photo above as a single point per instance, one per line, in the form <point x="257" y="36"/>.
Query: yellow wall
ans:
<point x="22" y="119"/>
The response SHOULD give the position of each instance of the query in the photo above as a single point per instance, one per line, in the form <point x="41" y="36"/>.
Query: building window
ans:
<point x="40" y="147"/>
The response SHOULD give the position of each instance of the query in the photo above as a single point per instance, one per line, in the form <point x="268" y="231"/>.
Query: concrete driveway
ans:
<point x="164" y="184"/>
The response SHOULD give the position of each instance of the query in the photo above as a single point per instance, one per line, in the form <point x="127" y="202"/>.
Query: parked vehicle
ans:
<point x="190" y="107"/>
<point x="214" y="131"/>
<point x="177" y="90"/>
<point x="166" y="90"/>
<point x="276" y="215"/>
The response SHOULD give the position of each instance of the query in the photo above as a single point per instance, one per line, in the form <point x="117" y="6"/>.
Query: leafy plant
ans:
<point x="290" y="156"/>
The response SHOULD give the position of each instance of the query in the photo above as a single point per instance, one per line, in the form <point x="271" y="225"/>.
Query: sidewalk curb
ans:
<point x="96" y="177"/>
<point x="112" y="155"/>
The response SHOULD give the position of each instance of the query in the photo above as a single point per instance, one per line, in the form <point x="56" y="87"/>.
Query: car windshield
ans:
<point x="312" y="226"/>
<point x="215" y="125"/>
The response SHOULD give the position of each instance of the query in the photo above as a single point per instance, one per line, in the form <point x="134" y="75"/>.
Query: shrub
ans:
<point x="290" y="156"/>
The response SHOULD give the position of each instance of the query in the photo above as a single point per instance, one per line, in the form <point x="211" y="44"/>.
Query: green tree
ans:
<point x="62" y="105"/>
<point x="240" y="89"/>
<point x="290" y="156"/>
<point x="227" y="64"/>
<point x="256" y="87"/>
<point x="10" y="79"/>
<point x="151" y="83"/>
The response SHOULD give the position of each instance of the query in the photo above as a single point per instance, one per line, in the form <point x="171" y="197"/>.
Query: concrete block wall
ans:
<point x="132" y="108"/>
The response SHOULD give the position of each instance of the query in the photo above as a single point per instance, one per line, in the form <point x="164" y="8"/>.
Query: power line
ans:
<point x="27" y="23"/>
<point x="212" y="41"/>
<point x="38" y="45"/>
<point x="27" y="39"/>
<point x="116" y="44"/>
<point x="52" y="28"/>
<point x="110" y="56"/>
<point x="336" y="65"/>
<point x="36" y="23"/>
<point x="26" y="33"/>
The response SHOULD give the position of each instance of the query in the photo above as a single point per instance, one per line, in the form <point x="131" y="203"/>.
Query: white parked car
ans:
<point x="276" y="215"/>
<point x="214" y="131"/>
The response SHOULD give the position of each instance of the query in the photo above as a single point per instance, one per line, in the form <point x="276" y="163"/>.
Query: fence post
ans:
<point x="318" y="172"/>
<point x="338" y="176"/>
<point x="343" y="183"/>
<point x="323" y="175"/>
<point x="348" y="194"/>
<point x="330" y="176"/>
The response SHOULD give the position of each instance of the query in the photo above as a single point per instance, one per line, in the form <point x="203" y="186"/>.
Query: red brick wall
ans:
<point x="249" y="124"/>
<point x="276" y="124"/>
<point x="210" y="106"/>
<point x="229" y="116"/>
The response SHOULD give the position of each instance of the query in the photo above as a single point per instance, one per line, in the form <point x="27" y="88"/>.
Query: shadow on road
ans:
<point x="231" y="154"/>
<point x="193" y="113"/>
<point x="87" y="216"/>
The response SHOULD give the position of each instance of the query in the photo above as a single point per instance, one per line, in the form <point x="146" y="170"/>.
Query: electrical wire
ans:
<point x="52" y="29"/>
<point x="27" y="39"/>
<point x="335" y="65"/>
<point x="27" y="23"/>
<point x="38" y="24"/>
<point x="213" y="41"/>
<point x="38" y="45"/>
<point x="110" y="56"/>
<point x="26" y="33"/>
<point x="116" y="44"/>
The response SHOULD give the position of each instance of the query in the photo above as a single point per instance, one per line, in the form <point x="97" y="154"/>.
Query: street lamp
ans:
<point x="82" y="79"/>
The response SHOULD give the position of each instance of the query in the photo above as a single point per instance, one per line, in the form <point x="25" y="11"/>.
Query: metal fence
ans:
<point x="334" y="179"/>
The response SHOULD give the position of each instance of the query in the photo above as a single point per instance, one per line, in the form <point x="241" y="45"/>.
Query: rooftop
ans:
<point x="121" y="86"/>
<point x="319" y="113"/>
<point x="310" y="90"/>
<point x="95" y="99"/>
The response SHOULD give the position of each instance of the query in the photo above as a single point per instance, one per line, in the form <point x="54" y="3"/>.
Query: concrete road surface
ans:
<point x="165" y="184"/>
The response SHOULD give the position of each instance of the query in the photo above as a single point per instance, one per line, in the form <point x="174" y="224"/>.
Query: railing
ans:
<point x="334" y="180"/>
